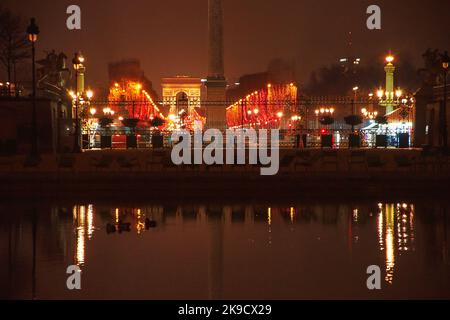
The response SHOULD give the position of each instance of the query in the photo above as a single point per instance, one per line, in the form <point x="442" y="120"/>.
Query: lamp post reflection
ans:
<point x="84" y="225"/>
<point x="395" y="234"/>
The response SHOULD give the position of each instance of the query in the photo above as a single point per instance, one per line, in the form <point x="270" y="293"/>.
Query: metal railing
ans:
<point x="143" y="138"/>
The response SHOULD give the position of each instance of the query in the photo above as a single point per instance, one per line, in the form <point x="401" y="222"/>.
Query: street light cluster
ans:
<point x="108" y="111"/>
<point x="324" y="112"/>
<point x="369" y="114"/>
<point x="389" y="96"/>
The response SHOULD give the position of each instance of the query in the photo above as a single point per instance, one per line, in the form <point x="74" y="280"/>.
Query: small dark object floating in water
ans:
<point x="150" y="224"/>
<point x="110" y="228"/>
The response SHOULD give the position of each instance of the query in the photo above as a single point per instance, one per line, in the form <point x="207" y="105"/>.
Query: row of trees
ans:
<point x="14" y="45"/>
<point x="335" y="80"/>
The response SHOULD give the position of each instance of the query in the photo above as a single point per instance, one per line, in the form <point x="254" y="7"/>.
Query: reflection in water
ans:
<point x="292" y="214"/>
<point x="215" y="254"/>
<point x="395" y="221"/>
<point x="390" y="243"/>
<point x="90" y="221"/>
<point x="228" y="251"/>
<point x="79" y="222"/>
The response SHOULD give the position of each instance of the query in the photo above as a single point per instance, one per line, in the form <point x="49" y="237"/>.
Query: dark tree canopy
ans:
<point x="14" y="45"/>
<point x="432" y="72"/>
<point x="335" y="80"/>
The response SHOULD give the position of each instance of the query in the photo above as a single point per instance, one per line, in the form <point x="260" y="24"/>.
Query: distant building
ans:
<point x="130" y="70"/>
<point x="278" y="72"/>
<point x="429" y="107"/>
<point x="55" y="130"/>
<point x="181" y="92"/>
<point x="54" y="110"/>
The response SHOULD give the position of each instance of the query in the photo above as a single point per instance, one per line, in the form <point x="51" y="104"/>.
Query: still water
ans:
<point x="194" y="251"/>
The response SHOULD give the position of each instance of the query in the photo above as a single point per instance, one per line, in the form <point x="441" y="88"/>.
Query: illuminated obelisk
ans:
<point x="216" y="83"/>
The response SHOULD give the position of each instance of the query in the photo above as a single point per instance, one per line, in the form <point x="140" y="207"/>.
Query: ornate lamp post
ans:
<point x="355" y="92"/>
<point x="389" y="97"/>
<point x="370" y="115"/>
<point x="325" y="117"/>
<point x="77" y="62"/>
<point x="322" y="116"/>
<point x="33" y="32"/>
<point x="445" y="64"/>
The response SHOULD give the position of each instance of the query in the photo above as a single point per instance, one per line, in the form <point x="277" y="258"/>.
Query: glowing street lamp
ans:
<point x="389" y="98"/>
<point x="324" y="112"/>
<point x="33" y="32"/>
<point x="355" y="91"/>
<point x="78" y="66"/>
<point x="369" y="114"/>
<point x="380" y="93"/>
<point x="89" y="94"/>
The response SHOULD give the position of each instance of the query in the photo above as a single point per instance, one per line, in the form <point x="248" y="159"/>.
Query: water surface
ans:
<point x="237" y="251"/>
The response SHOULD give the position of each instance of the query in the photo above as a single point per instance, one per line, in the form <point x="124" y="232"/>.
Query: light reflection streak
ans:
<point x="380" y="230"/>
<point x="355" y="215"/>
<point x="80" y="212"/>
<point x="90" y="221"/>
<point x="395" y="227"/>
<point x="84" y="227"/>
<point x="390" y="244"/>
<point x="292" y="214"/>
<point x="140" y="226"/>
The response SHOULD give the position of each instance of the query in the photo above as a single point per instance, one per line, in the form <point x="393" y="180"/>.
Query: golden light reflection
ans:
<point x="83" y="219"/>
<point x="405" y="227"/>
<point x="80" y="255"/>
<point x="140" y="225"/>
<point x="80" y="213"/>
<point x="355" y="215"/>
<point x="395" y="226"/>
<point x="380" y="229"/>
<point x="292" y="214"/>
<point x="390" y="244"/>
<point x="90" y="221"/>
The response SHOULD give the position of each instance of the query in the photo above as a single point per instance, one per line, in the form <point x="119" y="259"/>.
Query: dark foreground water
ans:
<point x="292" y="251"/>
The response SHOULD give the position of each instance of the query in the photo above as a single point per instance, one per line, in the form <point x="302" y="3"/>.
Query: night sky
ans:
<point x="170" y="37"/>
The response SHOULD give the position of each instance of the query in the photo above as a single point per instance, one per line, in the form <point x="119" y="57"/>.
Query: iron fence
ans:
<point x="145" y="138"/>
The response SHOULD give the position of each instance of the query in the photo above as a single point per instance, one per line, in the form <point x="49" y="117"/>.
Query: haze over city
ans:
<point x="170" y="37"/>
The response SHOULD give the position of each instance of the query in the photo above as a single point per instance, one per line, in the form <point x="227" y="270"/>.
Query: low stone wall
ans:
<point x="302" y="173"/>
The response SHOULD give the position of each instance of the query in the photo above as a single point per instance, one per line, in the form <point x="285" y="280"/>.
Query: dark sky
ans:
<point x="170" y="36"/>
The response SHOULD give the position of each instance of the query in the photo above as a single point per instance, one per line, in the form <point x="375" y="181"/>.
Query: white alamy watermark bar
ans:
<point x="228" y="150"/>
